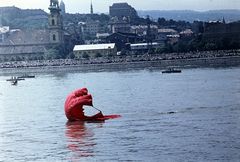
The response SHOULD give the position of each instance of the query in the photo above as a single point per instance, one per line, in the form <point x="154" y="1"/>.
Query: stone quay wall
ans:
<point x="232" y="61"/>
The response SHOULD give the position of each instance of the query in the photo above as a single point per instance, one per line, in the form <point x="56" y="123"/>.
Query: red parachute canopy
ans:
<point x="74" y="106"/>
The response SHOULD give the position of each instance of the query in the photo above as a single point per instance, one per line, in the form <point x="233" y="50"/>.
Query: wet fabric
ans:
<point x="74" y="106"/>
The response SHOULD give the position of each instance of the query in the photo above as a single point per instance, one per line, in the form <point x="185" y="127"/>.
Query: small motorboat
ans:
<point x="171" y="70"/>
<point x="14" y="79"/>
<point x="27" y="76"/>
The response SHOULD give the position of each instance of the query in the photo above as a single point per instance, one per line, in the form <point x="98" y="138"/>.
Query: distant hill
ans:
<point x="190" y="15"/>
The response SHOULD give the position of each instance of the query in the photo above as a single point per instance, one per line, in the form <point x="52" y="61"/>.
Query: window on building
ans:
<point x="54" y="37"/>
<point x="53" y="22"/>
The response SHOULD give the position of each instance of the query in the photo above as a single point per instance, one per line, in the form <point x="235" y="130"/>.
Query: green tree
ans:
<point x="136" y="53"/>
<point x="224" y="43"/>
<point x="85" y="55"/>
<point x="30" y="58"/>
<point x="39" y="56"/>
<point x="211" y="46"/>
<point x="51" y="54"/>
<point x="61" y="52"/>
<point x="161" y="49"/>
<point x="11" y="59"/>
<point x="71" y="55"/>
<point x="150" y="51"/>
<point x="195" y="44"/>
<point x="110" y="54"/>
<point x="181" y="46"/>
<point x="123" y="52"/>
<point x="18" y="58"/>
<point x="161" y="21"/>
<point x="98" y="54"/>
<point x="56" y="52"/>
<point x="87" y="36"/>
<point x="235" y="44"/>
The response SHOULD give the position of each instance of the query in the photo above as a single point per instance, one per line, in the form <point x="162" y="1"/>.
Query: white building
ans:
<point x="143" y="47"/>
<point x="4" y="30"/>
<point x="92" y="49"/>
<point x="92" y="27"/>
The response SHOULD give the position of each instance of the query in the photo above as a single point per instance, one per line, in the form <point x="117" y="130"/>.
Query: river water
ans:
<point x="190" y="116"/>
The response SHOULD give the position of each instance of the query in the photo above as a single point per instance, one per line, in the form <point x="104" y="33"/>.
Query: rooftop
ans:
<point x="94" y="47"/>
<point x="26" y="37"/>
<point x="143" y="44"/>
<point x="167" y="31"/>
<point x="4" y="29"/>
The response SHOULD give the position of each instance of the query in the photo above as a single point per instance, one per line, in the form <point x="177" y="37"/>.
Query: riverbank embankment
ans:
<point x="59" y="66"/>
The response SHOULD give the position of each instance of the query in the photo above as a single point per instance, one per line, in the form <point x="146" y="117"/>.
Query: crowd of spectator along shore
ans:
<point x="120" y="59"/>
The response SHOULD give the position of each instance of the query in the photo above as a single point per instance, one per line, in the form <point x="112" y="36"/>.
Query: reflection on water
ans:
<point x="80" y="138"/>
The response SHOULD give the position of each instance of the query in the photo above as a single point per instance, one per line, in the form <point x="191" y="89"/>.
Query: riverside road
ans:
<point x="182" y="60"/>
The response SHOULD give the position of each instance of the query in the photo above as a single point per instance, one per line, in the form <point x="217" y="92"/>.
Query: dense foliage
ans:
<point x="57" y="52"/>
<point x="24" y="21"/>
<point x="198" y="44"/>
<point x="76" y="18"/>
<point x="177" y="25"/>
<point x="222" y="43"/>
<point x="191" y="16"/>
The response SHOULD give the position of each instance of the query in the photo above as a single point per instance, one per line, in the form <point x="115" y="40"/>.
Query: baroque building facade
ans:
<point x="29" y="43"/>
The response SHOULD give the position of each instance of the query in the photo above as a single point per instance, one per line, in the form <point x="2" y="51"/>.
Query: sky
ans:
<point x="102" y="6"/>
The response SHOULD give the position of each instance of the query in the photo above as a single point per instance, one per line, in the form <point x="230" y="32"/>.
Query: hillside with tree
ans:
<point x="190" y="15"/>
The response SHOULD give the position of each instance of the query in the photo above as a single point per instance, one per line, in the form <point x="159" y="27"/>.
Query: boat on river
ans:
<point x="171" y="70"/>
<point x="14" y="79"/>
<point x="26" y="76"/>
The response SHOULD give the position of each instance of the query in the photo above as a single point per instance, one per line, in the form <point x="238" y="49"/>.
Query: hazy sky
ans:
<point x="102" y="6"/>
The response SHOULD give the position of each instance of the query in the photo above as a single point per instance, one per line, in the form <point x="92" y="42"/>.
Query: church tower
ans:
<point x="55" y="21"/>
<point x="62" y="7"/>
<point x="91" y="8"/>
